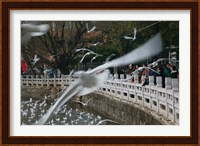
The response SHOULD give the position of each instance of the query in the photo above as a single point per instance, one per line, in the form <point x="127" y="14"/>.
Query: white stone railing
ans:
<point x="46" y="81"/>
<point x="164" y="101"/>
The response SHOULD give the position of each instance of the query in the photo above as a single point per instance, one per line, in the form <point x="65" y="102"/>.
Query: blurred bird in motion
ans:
<point x="97" y="55"/>
<point x="35" y="59"/>
<point x="90" y="30"/>
<point x="106" y="120"/>
<point x="91" y="80"/>
<point x="30" y="30"/>
<point x="84" y="104"/>
<point x="131" y="38"/>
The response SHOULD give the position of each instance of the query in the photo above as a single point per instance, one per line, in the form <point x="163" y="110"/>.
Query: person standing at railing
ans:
<point x="174" y="72"/>
<point x="145" y="72"/>
<point x="160" y="73"/>
<point x="165" y="74"/>
<point x="129" y="70"/>
<point x="51" y="73"/>
<point x="24" y="66"/>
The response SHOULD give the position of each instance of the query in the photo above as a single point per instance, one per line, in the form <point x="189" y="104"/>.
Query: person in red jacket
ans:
<point x="24" y="66"/>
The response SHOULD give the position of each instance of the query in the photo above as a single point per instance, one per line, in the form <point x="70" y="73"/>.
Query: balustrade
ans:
<point x="164" y="101"/>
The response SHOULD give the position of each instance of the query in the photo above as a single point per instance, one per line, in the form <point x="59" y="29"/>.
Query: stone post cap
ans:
<point x="168" y="80"/>
<point x="175" y="82"/>
<point x="116" y="76"/>
<point x="158" y="78"/>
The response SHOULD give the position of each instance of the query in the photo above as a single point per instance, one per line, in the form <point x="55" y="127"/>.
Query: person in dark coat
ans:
<point x="174" y="72"/>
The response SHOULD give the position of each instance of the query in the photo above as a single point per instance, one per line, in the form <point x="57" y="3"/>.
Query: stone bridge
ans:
<point x="158" y="101"/>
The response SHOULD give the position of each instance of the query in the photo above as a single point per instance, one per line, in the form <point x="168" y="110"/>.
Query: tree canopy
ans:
<point x="57" y="48"/>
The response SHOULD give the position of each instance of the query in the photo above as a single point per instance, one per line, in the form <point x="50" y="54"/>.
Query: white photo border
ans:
<point x="183" y="16"/>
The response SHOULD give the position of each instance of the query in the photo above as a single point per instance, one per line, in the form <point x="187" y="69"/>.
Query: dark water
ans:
<point x="69" y="114"/>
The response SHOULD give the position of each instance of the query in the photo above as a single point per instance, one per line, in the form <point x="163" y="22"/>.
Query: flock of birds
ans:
<point x="90" y="80"/>
<point x="89" y="52"/>
<point x="30" y="30"/>
<point x="69" y="114"/>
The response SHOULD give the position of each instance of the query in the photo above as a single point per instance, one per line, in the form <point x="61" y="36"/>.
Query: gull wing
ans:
<point x="82" y="49"/>
<point x="97" y="55"/>
<point x="87" y="26"/>
<point x="67" y="94"/>
<point x="93" y="58"/>
<point x="95" y="44"/>
<point x="128" y="38"/>
<point x="153" y="70"/>
<point x="89" y="100"/>
<point x="134" y="73"/>
<point x="109" y="57"/>
<point x="33" y="34"/>
<point x="106" y="120"/>
<point x="34" y="28"/>
<point x="149" y="49"/>
<point x="30" y="30"/>
<point x="84" y="57"/>
<point x="79" y="102"/>
<point x="93" y="28"/>
<point x="35" y="57"/>
<point x="135" y="31"/>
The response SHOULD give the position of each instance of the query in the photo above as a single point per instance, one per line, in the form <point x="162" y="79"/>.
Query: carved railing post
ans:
<point x="175" y="85"/>
<point x="143" y="79"/>
<point x="159" y="82"/>
<point x="62" y="81"/>
<point x="42" y="80"/>
<point x="151" y="80"/>
<point x="54" y="81"/>
<point x="32" y="78"/>
<point x="37" y="81"/>
<point x="116" y="76"/>
<point x="136" y="79"/>
<point x="121" y="76"/>
<point x="168" y="83"/>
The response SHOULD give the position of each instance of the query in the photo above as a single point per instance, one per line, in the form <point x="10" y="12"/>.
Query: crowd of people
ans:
<point x="39" y="70"/>
<point x="163" y="70"/>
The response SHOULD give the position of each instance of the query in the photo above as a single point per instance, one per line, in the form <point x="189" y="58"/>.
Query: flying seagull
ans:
<point x="85" y="85"/>
<point x="30" y="30"/>
<point x="91" y="80"/>
<point x="95" y="57"/>
<point x="110" y="56"/>
<point x="35" y="59"/>
<point x="172" y="47"/>
<point x="92" y="29"/>
<point x="72" y="71"/>
<point x="84" y="104"/>
<point x="155" y="63"/>
<point x="140" y="69"/>
<point x="106" y="120"/>
<point x="131" y="38"/>
<point x="88" y="53"/>
<point x="83" y="49"/>
<point x="46" y="71"/>
<point x="95" y="44"/>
